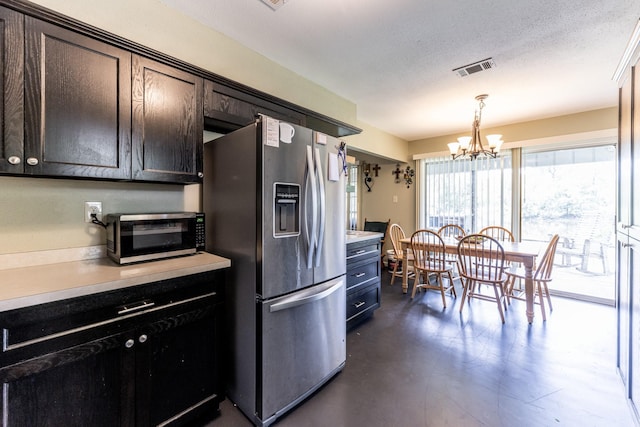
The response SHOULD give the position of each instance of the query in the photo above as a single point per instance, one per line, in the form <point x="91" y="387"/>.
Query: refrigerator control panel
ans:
<point x="286" y="210"/>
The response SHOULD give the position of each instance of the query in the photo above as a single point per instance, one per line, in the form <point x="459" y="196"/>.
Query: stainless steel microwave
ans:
<point x="145" y="237"/>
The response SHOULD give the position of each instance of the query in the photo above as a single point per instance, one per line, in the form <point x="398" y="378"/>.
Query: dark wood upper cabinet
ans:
<point x="79" y="102"/>
<point x="78" y="105"/>
<point x="167" y="123"/>
<point x="228" y="109"/>
<point x="12" y="91"/>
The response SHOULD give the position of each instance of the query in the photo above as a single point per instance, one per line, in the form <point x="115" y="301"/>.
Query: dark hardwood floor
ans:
<point x="416" y="364"/>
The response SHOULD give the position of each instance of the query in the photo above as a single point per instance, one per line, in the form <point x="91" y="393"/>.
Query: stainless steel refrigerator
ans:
<point x="274" y="202"/>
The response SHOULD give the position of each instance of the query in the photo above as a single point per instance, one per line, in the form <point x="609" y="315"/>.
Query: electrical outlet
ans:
<point x="92" y="208"/>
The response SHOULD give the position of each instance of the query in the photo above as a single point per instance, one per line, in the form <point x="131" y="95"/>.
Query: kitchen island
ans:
<point x="93" y="343"/>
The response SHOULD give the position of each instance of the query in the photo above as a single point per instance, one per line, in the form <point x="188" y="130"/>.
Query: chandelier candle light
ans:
<point x="471" y="146"/>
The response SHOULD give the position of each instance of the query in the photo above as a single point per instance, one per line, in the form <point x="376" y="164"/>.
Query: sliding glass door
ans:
<point x="571" y="192"/>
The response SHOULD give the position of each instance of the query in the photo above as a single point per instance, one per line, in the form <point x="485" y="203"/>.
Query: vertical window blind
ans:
<point x="472" y="194"/>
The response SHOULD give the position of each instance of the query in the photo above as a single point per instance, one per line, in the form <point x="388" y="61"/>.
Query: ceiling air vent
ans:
<point x="465" y="70"/>
<point x="274" y="4"/>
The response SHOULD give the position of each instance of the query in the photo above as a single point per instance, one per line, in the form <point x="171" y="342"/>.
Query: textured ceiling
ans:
<point x="394" y="59"/>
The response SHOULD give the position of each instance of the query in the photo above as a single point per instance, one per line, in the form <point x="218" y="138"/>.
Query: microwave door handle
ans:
<point x="311" y="183"/>
<point x="321" y="207"/>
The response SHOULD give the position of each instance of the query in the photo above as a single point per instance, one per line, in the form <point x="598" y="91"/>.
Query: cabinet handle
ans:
<point x="359" y="274"/>
<point x="361" y="251"/>
<point x="32" y="161"/>
<point x="14" y="160"/>
<point x="129" y="343"/>
<point x="200" y="175"/>
<point x="143" y="338"/>
<point x="359" y="304"/>
<point x="136" y="306"/>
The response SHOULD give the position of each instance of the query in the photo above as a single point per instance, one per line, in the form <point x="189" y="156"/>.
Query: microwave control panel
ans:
<point x="200" y="232"/>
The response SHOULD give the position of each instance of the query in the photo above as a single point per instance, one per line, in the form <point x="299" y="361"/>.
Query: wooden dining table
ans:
<point x="517" y="252"/>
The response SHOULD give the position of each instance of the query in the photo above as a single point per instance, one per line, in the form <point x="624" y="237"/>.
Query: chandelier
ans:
<point x="471" y="146"/>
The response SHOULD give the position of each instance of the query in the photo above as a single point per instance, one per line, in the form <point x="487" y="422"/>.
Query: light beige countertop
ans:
<point x="360" y="236"/>
<point x="26" y="286"/>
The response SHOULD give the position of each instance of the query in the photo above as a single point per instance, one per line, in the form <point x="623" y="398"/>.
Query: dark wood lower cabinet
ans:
<point x="363" y="279"/>
<point x="142" y="367"/>
<point x="77" y="386"/>
<point x="176" y="367"/>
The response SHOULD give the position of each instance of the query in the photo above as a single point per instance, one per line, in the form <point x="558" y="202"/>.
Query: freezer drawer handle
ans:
<point x="290" y="303"/>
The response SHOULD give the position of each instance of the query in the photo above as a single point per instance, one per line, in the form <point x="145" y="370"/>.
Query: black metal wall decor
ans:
<point x="408" y="176"/>
<point x="397" y="173"/>
<point x="368" y="180"/>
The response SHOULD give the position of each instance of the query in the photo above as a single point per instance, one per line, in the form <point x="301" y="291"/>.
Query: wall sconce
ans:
<point x="366" y="169"/>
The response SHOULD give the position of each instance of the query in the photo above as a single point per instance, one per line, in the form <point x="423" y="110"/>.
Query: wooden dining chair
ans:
<point x="541" y="278"/>
<point x="429" y="258"/>
<point x="451" y="230"/>
<point x="481" y="261"/>
<point x="499" y="233"/>
<point x="396" y="233"/>
<point x="378" y="227"/>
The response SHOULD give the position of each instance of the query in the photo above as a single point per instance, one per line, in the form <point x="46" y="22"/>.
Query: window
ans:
<point x="472" y="194"/>
<point x="352" y="198"/>
<point x="566" y="188"/>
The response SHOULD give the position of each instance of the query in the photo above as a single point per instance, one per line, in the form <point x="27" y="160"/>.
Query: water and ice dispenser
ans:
<point x="286" y="210"/>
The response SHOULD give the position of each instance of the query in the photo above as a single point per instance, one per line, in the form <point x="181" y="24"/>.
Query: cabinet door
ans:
<point x="167" y="123"/>
<point x="624" y="154"/>
<point x="623" y="305"/>
<point x="229" y="109"/>
<point x="12" y="91"/>
<point x="633" y="188"/>
<point x="178" y="366"/>
<point x="633" y="278"/>
<point x="86" y="385"/>
<point x="78" y="105"/>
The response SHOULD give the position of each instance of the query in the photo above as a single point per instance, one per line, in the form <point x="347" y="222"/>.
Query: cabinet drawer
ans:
<point x="362" y="272"/>
<point x="30" y="331"/>
<point x="363" y="301"/>
<point x="356" y="253"/>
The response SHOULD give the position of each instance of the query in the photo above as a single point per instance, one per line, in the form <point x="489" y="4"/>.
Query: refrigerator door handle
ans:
<point x="322" y="207"/>
<point x="311" y="182"/>
<point x="306" y="298"/>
